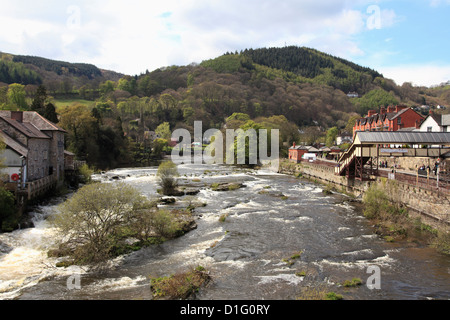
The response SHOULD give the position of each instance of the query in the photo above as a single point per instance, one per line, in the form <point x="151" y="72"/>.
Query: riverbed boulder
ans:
<point x="228" y="186"/>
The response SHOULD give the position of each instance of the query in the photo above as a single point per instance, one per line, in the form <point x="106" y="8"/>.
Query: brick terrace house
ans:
<point x="34" y="146"/>
<point x="393" y="118"/>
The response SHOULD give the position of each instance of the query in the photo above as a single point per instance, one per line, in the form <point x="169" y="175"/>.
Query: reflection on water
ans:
<point x="249" y="254"/>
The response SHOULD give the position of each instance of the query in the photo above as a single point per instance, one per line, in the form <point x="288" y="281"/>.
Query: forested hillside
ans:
<point x="58" y="76"/>
<point x="114" y="119"/>
<point x="12" y="72"/>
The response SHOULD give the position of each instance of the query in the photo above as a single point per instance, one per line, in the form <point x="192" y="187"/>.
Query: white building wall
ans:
<point x="430" y="123"/>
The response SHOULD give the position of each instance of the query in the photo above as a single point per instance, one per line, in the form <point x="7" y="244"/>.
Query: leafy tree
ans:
<point x="94" y="220"/>
<point x="374" y="100"/>
<point x="163" y="130"/>
<point x="7" y="201"/>
<point x="167" y="172"/>
<point x="7" y="210"/>
<point x="107" y="87"/>
<point x="3" y="96"/>
<point x="16" y="95"/>
<point x="332" y="134"/>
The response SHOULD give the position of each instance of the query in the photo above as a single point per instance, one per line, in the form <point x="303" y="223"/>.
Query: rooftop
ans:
<point x="415" y="137"/>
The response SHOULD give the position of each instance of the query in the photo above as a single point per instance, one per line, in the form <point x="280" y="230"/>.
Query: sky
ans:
<point x="407" y="41"/>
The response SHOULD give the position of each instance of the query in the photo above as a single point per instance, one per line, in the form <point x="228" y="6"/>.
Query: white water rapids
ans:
<point x="245" y="253"/>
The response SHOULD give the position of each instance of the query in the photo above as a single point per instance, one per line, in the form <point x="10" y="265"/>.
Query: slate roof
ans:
<point x="26" y="128"/>
<point x="438" y="138"/>
<point x="13" y="144"/>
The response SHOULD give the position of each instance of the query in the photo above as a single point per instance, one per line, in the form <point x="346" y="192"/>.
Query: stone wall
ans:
<point x="431" y="206"/>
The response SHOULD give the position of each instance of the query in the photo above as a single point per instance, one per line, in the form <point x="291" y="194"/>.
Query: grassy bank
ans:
<point x="393" y="222"/>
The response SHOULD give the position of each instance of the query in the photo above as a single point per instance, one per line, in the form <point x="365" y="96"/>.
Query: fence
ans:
<point x="39" y="187"/>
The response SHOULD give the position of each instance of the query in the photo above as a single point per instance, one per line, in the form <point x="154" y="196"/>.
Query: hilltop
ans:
<point x="31" y="70"/>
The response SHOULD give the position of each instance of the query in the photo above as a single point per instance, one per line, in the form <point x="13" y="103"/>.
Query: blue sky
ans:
<point x="407" y="41"/>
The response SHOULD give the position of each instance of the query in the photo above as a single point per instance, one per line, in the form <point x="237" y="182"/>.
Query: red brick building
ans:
<point x="393" y="118"/>
<point x="296" y="153"/>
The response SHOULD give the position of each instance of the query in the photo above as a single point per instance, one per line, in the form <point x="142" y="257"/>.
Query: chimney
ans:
<point x="17" y="115"/>
<point x="294" y="145"/>
<point x="371" y="113"/>
<point x="391" y="109"/>
<point x="418" y="124"/>
<point x="399" y="108"/>
<point x="382" y="110"/>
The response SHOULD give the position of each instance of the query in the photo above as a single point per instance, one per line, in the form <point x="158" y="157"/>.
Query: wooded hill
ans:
<point x="288" y="88"/>
<point x="31" y="70"/>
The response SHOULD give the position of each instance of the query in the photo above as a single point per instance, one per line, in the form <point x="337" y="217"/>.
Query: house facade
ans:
<point x="34" y="146"/>
<point x="393" y="118"/>
<point x="436" y="123"/>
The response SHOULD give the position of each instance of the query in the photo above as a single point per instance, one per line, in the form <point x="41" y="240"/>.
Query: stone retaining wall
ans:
<point x="432" y="207"/>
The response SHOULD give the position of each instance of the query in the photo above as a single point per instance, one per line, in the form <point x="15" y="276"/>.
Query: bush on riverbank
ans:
<point x="393" y="222"/>
<point x="179" y="286"/>
<point x="8" y="211"/>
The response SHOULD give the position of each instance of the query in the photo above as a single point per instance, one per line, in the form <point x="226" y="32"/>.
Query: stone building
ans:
<point x="34" y="147"/>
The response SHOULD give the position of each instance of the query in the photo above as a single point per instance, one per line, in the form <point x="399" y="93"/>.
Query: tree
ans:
<point x="50" y="112"/>
<point x="167" y="172"/>
<point x="39" y="100"/>
<point x="7" y="210"/>
<point x="7" y="201"/>
<point x="16" y="95"/>
<point x="163" y="131"/>
<point x="351" y="123"/>
<point x="107" y="87"/>
<point x="81" y="125"/>
<point x="332" y="134"/>
<point x="95" y="218"/>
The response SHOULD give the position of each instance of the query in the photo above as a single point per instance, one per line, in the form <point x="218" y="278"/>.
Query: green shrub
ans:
<point x="86" y="173"/>
<point x="352" y="283"/>
<point x="8" y="211"/>
<point x="333" y="296"/>
<point x="180" y="285"/>
<point x="167" y="173"/>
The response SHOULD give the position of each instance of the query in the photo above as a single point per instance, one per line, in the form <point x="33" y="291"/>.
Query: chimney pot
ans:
<point x="17" y="115"/>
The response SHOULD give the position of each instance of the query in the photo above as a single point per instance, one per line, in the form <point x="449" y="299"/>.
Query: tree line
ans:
<point x="12" y="72"/>
<point x="60" y="67"/>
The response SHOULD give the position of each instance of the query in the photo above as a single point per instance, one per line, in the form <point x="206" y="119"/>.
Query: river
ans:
<point x="268" y="221"/>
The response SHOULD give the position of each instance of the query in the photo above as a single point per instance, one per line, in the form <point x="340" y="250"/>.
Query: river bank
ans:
<point x="400" y="221"/>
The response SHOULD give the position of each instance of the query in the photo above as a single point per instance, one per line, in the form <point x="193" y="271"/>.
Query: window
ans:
<point x="399" y="120"/>
<point x="430" y="129"/>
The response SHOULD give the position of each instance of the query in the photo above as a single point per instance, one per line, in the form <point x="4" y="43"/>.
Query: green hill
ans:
<point x="37" y="70"/>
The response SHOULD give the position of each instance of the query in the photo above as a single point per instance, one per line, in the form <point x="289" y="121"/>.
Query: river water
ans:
<point x="245" y="254"/>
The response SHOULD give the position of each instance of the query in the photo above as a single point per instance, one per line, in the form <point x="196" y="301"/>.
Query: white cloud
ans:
<point x="437" y="3"/>
<point x="419" y="75"/>
<point x="136" y="35"/>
